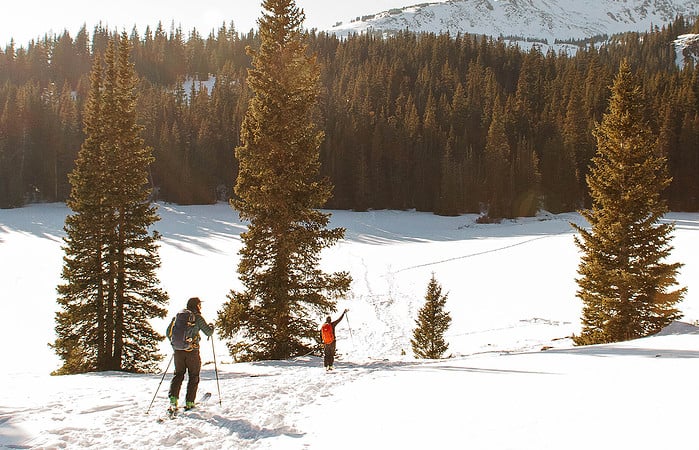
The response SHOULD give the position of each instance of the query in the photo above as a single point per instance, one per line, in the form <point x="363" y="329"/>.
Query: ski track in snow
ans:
<point x="567" y="230"/>
<point x="255" y="411"/>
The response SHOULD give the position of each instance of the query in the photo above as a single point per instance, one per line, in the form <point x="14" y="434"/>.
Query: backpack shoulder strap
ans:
<point x="168" y="332"/>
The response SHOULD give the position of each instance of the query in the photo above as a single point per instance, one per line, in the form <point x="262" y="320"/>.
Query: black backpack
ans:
<point x="183" y="330"/>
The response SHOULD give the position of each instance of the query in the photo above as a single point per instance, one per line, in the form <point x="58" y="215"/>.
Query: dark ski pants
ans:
<point x="329" y="357"/>
<point x="186" y="362"/>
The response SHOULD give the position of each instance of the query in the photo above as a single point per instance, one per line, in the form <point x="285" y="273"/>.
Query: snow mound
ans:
<point x="676" y="328"/>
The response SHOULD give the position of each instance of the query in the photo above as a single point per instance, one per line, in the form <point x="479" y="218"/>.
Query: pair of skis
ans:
<point x="172" y="413"/>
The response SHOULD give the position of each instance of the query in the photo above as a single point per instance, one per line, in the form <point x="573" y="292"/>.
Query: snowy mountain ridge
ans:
<point x="545" y="20"/>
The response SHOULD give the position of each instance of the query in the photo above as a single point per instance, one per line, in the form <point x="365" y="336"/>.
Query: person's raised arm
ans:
<point x="340" y="318"/>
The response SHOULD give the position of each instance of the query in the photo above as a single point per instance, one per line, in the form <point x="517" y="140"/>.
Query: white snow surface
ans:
<point x="686" y="49"/>
<point x="511" y="294"/>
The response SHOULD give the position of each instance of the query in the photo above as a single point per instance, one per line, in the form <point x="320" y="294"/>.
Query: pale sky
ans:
<point x="27" y="21"/>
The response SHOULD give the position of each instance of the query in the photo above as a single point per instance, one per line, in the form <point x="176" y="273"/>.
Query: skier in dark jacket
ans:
<point x="329" y="342"/>
<point x="189" y="360"/>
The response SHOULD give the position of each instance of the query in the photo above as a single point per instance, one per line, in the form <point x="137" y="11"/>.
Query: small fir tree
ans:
<point x="278" y="191"/>
<point x="432" y="323"/>
<point x="111" y="290"/>
<point x="624" y="281"/>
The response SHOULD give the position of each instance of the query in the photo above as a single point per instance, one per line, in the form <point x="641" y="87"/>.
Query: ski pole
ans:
<point x="161" y="382"/>
<point x="216" y="371"/>
<point x="350" y="329"/>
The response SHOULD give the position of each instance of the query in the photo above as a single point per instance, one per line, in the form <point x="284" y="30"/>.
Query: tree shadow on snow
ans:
<point x="246" y="430"/>
<point x="683" y="221"/>
<point x="189" y="227"/>
<point x="42" y="220"/>
<point x="615" y="350"/>
<point x="636" y="347"/>
<point x="428" y="366"/>
<point x="11" y="436"/>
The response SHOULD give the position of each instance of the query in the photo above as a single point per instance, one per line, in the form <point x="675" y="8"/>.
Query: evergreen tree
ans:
<point x="498" y="180"/>
<point x="577" y="138"/>
<point x="278" y="190"/>
<point x="80" y="324"/>
<point x="432" y="323"/>
<point x="526" y="179"/>
<point x="111" y="290"/>
<point x="624" y="281"/>
<point x="451" y="175"/>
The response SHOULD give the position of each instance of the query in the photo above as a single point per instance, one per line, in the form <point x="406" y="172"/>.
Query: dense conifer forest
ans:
<point x="449" y="124"/>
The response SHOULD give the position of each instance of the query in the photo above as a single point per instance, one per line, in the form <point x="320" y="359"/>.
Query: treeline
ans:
<point x="441" y="123"/>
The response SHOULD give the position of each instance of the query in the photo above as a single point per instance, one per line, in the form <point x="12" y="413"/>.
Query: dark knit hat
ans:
<point x="194" y="304"/>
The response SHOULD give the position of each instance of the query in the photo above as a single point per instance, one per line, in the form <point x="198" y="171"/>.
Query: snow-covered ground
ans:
<point x="689" y="44"/>
<point x="511" y="293"/>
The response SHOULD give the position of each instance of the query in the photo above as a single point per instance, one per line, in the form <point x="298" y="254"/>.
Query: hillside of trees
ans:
<point x="449" y="124"/>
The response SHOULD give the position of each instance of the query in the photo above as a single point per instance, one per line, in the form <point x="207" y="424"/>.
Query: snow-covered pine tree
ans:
<point x="111" y="289"/>
<point x="278" y="191"/>
<point x="623" y="280"/>
<point x="432" y="322"/>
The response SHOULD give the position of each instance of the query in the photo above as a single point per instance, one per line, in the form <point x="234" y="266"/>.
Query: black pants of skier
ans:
<point x="329" y="356"/>
<point x="186" y="362"/>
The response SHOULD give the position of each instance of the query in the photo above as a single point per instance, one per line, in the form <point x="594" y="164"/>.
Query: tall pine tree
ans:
<point x="278" y="190"/>
<point x="498" y="180"/>
<point x="111" y="290"/>
<point x="624" y="281"/>
<point x="432" y="322"/>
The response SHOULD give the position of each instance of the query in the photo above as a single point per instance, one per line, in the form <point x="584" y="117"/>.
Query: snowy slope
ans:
<point x="511" y="293"/>
<point x="687" y="49"/>
<point x="538" y="19"/>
